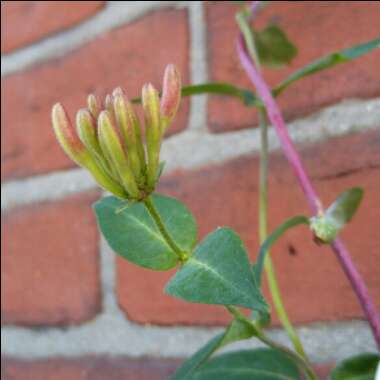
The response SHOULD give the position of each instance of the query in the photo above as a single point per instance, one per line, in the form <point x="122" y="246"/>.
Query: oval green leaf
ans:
<point x="132" y="233"/>
<point x="360" y="367"/>
<point x="263" y="364"/>
<point x="344" y="208"/>
<point x="218" y="273"/>
<point x="274" y="47"/>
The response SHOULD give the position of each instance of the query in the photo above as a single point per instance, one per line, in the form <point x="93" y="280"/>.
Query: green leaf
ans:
<point x="218" y="273"/>
<point x="345" y="206"/>
<point x="263" y="364"/>
<point x="237" y="330"/>
<point x="360" y="367"/>
<point x="218" y="88"/>
<point x="327" y="226"/>
<point x="132" y="233"/>
<point x="272" y="238"/>
<point x="273" y="47"/>
<point x="327" y="62"/>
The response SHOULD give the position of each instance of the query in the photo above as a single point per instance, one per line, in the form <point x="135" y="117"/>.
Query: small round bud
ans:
<point x="324" y="231"/>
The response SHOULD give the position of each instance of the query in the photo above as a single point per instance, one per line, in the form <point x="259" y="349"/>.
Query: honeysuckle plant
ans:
<point x="159" y="232"/>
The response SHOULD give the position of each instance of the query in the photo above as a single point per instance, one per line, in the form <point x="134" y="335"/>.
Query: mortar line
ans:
<point x="113" y="15"/>
<point x="198" y="65"/>
<point x="112" y="334"/>
<point x="179" y="150"/>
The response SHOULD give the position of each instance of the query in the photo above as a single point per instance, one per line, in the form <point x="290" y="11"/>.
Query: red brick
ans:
<point x="49" y="263"/>
<point x="317" y="28"/>
<point x="24" y="22"/>
<point x="313" y="284"/>
<point x="88" y="368"/>
<point x="128" y="56"/>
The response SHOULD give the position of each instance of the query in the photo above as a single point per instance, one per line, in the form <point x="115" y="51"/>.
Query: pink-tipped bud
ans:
<point x="67" y="136"/>
<point x="93" y="104"/>
<point x="108" y="106"/>
<point x="171" y="94"/>
<point x="117" y="91"/>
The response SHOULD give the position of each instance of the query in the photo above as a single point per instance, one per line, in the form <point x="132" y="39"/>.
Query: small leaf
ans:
<point x="345" y="206"/>
<point x="361" y="367"/>
<point x="327" y="62"/>
<point x="132" y="233"/>
<point x="272" y="238"/>
<point x="237" y="330"/>
<point x="262" y="363"/>
<point x="273" y="46"/>
<point x="218" y="273"/>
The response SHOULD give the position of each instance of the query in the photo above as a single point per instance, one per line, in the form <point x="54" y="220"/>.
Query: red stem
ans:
<point x="291" y="154"/>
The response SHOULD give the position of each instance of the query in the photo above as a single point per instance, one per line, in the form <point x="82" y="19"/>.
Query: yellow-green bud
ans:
<point x="152" y="115"/>
<point x="67" y="136"/>
<point x="111" y="145"/>
<point x="87" y="132"/>
<point x="171" y="95"/>
<point x="86" y="129"/>
<point x="127" y="129"/>
<point x="76" y="150"/>
<point x="93" y="105"/>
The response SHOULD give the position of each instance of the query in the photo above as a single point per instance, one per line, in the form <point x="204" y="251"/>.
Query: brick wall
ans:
<point x="70" y="309"/>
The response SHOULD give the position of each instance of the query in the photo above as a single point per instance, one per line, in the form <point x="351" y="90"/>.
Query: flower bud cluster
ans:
<point x="107" y="139"/>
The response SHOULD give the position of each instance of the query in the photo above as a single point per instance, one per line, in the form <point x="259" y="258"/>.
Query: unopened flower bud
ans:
<point x="86" y="129"/>
<point x="151" y="106"/>
<point x="171" y="95"/>
<point x="127" y="129"/>
<point x="117" y="91"/>
<point x="111" y="145"/>
<point x="77" y="151"/>
<point x="108" y="106"/>
<point x="67" y="136"/>
<point x="87" y="132"/>
<point x="93" y="105"/>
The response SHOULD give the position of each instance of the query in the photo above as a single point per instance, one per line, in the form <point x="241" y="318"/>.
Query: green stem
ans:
<point x="182" y="256"/>
<point x="259" y="333"/>
<point x="263" y="212"/>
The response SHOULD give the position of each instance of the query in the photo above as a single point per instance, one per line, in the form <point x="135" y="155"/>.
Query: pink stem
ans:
<point x="291" y="154"/>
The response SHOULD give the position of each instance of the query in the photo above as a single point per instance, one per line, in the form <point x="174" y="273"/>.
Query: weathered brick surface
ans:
<point x="49" y="263"/>
<point x="128" y="56"/>
<point x="88" y="368"/>
<point x="313" y="284"/>
<point x="317" y="28"/>
<point x="98" y="368"/>
<point x="24" y="22"/>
